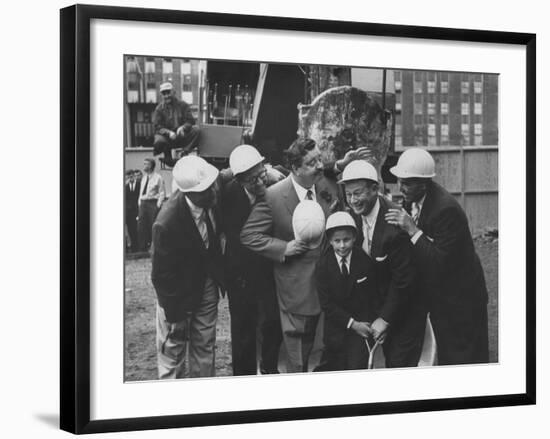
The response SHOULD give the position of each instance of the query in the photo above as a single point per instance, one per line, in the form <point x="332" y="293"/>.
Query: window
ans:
<point x="397" y="75"/>
<point x="431" y="108"/>
<point x="418" y="98"/>
<point x="397" y="86"/>
<point x="444" y="87"/>
<point x="418" y="76"/>
<point x="477" y="108"/>
<point x="431" y="130"/>
<point x="465" y="108"/>
<point x="465" y="87"/>
<point x="444" y="98"/>
<point x="150" y="65"/>
<point x="417" y="87"/>
<point x="478" y="88"/>
<point x="465" y="119"/>
<point x="445" y="119"/>
<point x="444" y="130"/>
<point x="478" y="140"/>
<point x="397" y="129"/>
<point x="418" y="109"/>
<point x="444" y="108"/>
<point x="477" y="129"/>
<point x="418" y="119"/>
<point x="398" y="106"/>
<point x="185" y="67"/>
<point x="431" y="87"/>
<point x="444" y="76"/>
<point x="477" y="97"/>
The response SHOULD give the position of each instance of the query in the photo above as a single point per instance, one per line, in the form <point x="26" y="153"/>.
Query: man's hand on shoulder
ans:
<point x="295" y="247"/>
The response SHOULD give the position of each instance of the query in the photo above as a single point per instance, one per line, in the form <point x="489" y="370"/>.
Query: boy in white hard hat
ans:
<point x="269" y="232"/>
<point x="401" y="316"/>
<point x="187" y="271"/>
<point x="450" y="272"/>
<point x="250" y="283"/>
<point x="174" y="125"/>
<point x="346" y="281"/>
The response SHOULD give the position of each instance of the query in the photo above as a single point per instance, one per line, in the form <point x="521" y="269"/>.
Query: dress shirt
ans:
<point x="417" y="209"/>
<point x="369" y="222"/>
<point x="198" y="216"/>
<point x="302" y="191"/>
<point x="347" y="260"/>
<point x="155" y="187"/>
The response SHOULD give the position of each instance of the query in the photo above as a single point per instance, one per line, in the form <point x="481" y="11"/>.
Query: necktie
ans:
<point x="309" y="194"/>
<point x="145" y="187"/>
<point x="367" y="239"/>
<point x="344" y="269"/>
<point x="415" y="212"/>
<point x="213" y="244"/>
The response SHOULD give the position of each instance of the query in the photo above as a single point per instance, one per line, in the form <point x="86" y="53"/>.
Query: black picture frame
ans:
<point x="75" y="217"/>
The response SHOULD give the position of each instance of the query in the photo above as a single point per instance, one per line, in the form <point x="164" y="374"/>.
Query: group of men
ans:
<point x="144" y="195"/>
<point x="233" y="233"/>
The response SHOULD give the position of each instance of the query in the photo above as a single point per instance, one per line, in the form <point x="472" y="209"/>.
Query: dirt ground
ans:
<point x="140" y="352"/>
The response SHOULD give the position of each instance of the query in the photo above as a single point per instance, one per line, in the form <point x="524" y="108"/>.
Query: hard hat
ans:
<point x="340" y="219"/>
<point x="194" y="174"/>
<point x="243" y="158"/>
<point x="166" y="86"/>
<point x="414" y="162"/>
<point x="359" y="170"/>
<point x="308" y="223"/>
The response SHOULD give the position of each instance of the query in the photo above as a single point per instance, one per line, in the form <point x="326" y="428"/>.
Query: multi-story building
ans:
<point x="445" y="108"/>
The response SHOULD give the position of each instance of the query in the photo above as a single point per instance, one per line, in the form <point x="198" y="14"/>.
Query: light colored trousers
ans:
<point x="298" y="336"/>
<point x="197" y="334"/>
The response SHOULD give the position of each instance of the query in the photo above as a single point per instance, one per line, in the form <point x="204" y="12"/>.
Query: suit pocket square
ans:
<point x="381" y="258"/>
<point x="363" y="279"/>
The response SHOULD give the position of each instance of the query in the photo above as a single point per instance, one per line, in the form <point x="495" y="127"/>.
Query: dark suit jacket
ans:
<point x="341" y="301"/>
<point x="452" y="277"/>
<point x="268" y="230"/>
<point x="241" y="263"/>
<point x="180" y="261"/>
<point x="391" y="252"/>
<point x="131" y="198"/>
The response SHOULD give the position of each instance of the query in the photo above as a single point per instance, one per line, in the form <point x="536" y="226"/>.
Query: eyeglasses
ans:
<point x="256" y="178"/>
<point x="165" y="93"/>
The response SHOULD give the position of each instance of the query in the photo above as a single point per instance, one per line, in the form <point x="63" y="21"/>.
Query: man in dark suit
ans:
<point x="250" y="283"/>
<point x="187" y="271"/>
<point x="401" y="316"/>
<point x="450" y="271"/>
<point x="131" y="197"/>
<point x="269" y="232"/>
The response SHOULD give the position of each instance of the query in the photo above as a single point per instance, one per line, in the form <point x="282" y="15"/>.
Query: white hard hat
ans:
<point x="194" y="174"/>
<point x="340" y="219"/>
<point x="359" y="170"/>
<point x="414" y="162"/>
<point x="243" y="158"/>
<point x="308" y="223"/>
<point x="166" y="86"/>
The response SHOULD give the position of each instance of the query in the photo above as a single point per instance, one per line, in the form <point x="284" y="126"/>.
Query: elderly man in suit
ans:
<point x="401" y="317"/>
<point x="450" y="271"/>
<point x="187" y="271"/>
<point x="250" y="283"/>
<point x="131" y="197"/>
<point x="269" y="232"/>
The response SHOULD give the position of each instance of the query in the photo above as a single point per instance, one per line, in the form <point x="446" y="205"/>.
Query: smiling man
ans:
<point x="400" y="315"/>
<point x="269" y="232"/>
<point x="451" y="274"/>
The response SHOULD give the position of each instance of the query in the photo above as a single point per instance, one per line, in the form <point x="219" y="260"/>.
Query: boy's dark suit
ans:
<point x="452" y="279"/>
<point x="342" y="298"/>
<point x="398" y="299"/>
<point x="250" y="285"/>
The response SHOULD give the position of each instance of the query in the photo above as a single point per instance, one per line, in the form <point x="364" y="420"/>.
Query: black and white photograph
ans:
<point x="284" y="218"/>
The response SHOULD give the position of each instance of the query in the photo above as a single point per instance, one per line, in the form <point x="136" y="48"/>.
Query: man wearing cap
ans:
<point x="187" y="271"/>
<point x="174" y="125"/>
<point x="151" y="197"/>
<point x="450" y="271"/>
<point x="269" y="232"/>
<point x="250" y="283"/>
<point x="400" y="319"/>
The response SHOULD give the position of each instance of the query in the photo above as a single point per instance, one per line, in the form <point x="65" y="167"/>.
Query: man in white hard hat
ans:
<point x="400" y="315"/>
<point x="450" y="271"/>
<point x="269" y="232"/>
<point x="250" y="283"/>
<point x="187" y="271"/>
<point x="174" y="125"/>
